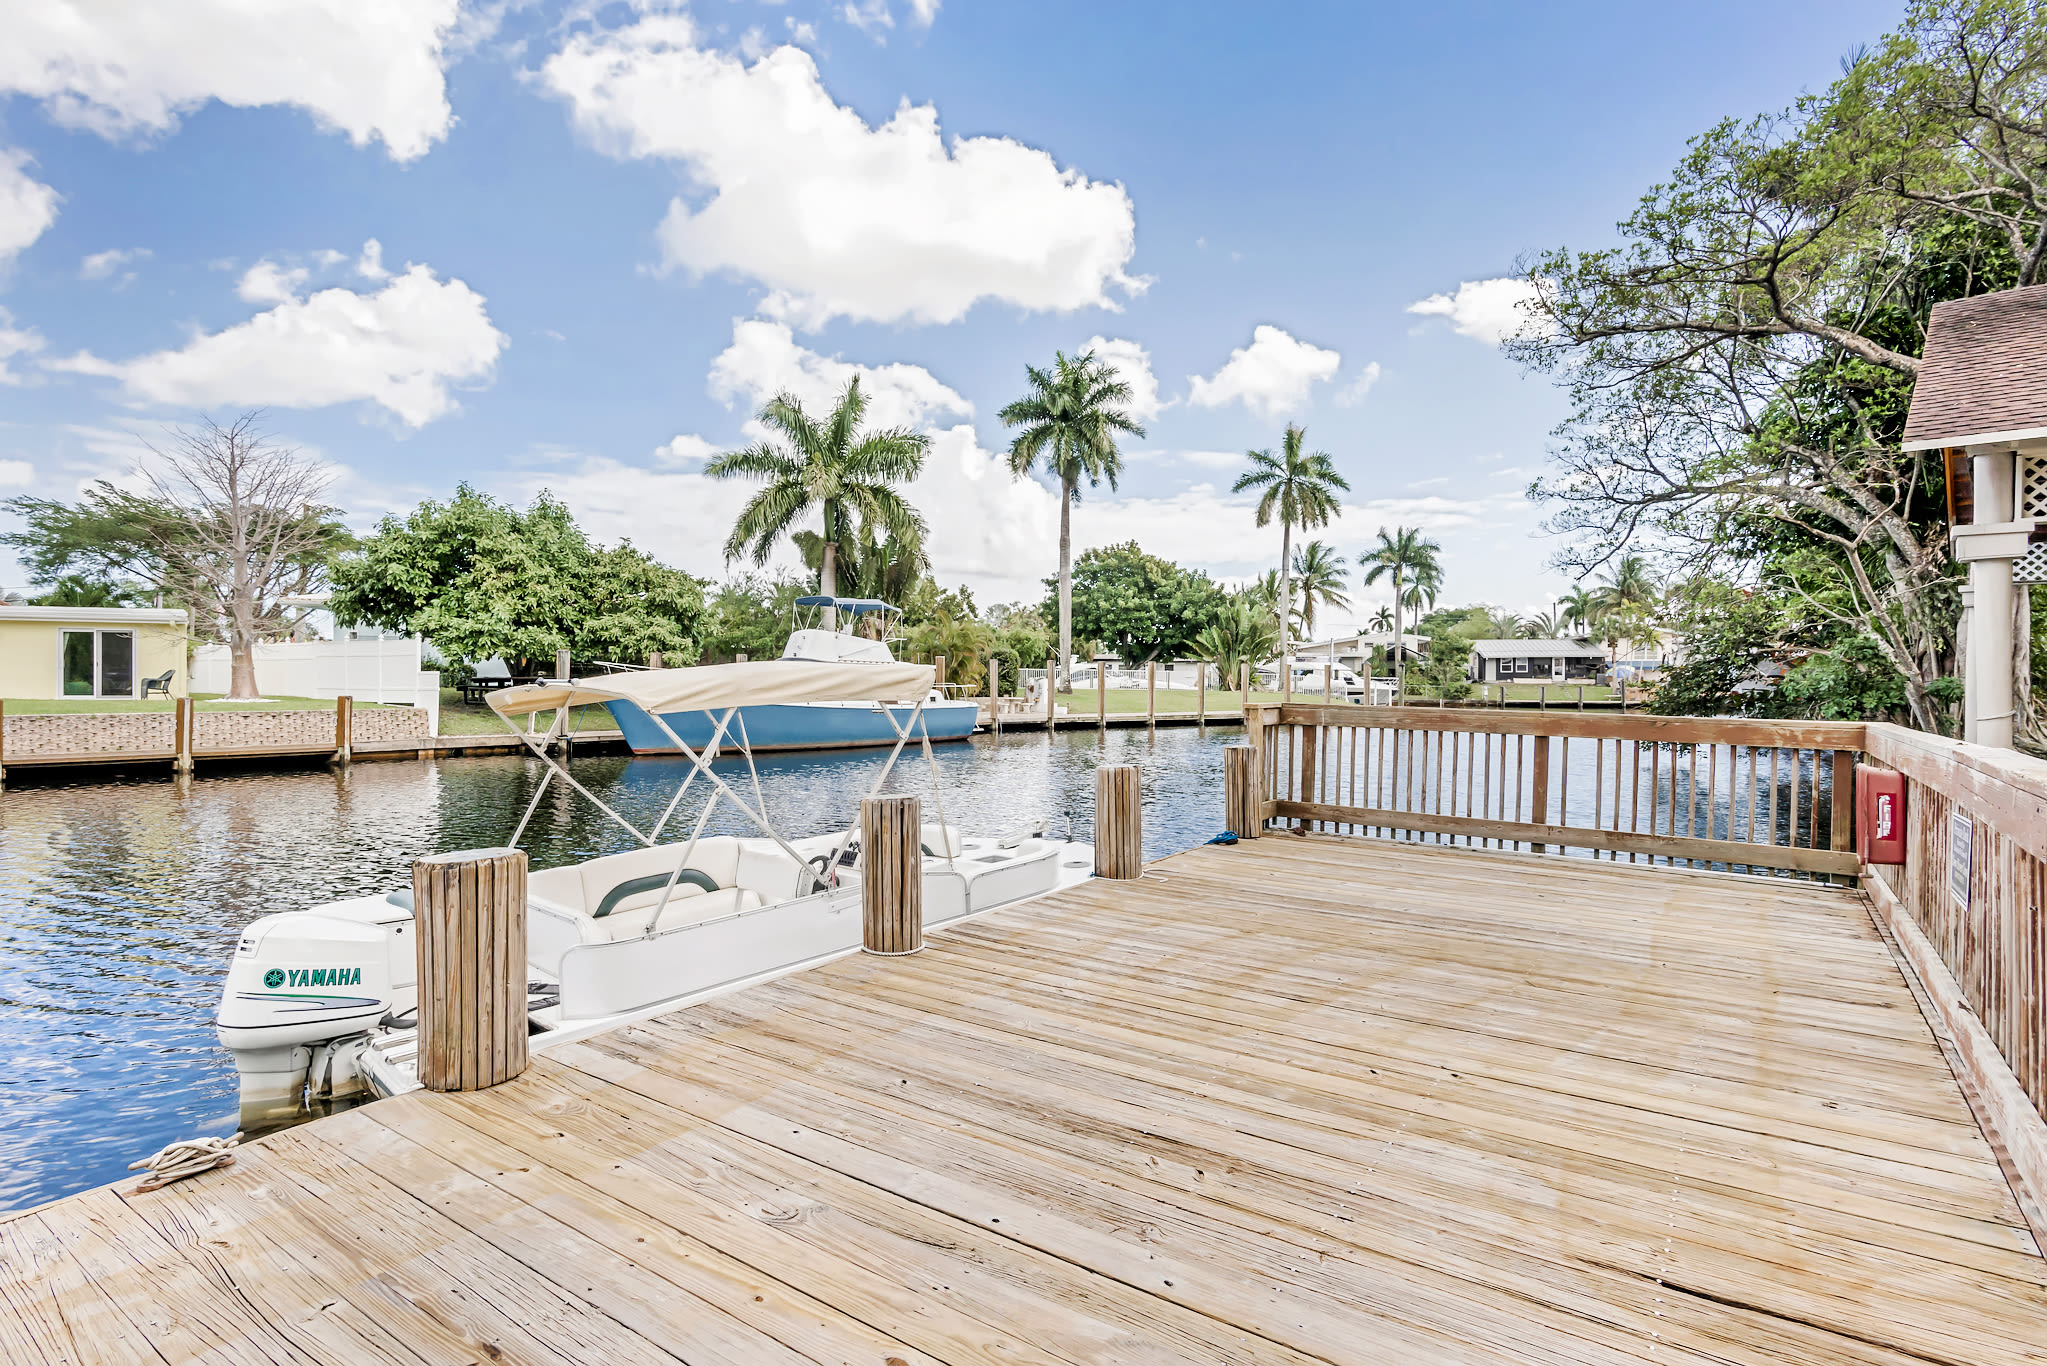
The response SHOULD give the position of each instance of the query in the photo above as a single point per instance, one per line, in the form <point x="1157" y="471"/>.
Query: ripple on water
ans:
<point x="120" y="901"/>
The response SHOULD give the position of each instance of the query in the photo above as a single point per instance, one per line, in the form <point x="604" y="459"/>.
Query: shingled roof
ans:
<point x="1983" y="376"/>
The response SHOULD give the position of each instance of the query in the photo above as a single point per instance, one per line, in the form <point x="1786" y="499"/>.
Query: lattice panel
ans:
<point x="2033" y="486"/>
<point x="2031" y="567"/>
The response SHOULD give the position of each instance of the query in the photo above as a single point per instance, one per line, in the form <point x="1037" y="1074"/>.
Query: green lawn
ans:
<point x="465" y="718"/>
<point x="1566" y="693"/>
<point x="1081" y="701"/>
<point x="50" y="706"/>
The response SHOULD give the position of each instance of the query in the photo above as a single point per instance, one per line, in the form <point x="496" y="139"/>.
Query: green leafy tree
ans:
<point x="1140" y="606"/>
<point x="1300" y="487"/>
<point x="889" y="569"/>
<point x="829" y="469"/>
<point x="481" y="579"/>
<point x="1318" y="574"/>
<point x="79" y="590"/>
<point x="1412" y="563"/>
<point x="1070" y="420"/>
<point x="1023" y="640"/>
<point x="750" y="614"/>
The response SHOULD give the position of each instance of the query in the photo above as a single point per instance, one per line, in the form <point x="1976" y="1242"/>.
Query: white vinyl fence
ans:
<point x="384" y="671"/>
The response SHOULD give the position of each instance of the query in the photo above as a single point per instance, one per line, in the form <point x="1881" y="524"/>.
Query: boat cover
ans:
<point x="714" y="687"/>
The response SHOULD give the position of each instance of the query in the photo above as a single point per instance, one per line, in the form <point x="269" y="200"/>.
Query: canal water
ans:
<point x="120" y="900"/>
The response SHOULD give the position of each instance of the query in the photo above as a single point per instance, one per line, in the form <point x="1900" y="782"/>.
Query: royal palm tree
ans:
<point x="830" y="468"/>
<point x="1318" y="574"/>
<point x="1544" y="626"/>
<point x="1301" y="488"/>
<point x="1627" y="600"/>
<point x="1070" y="420"/>
<point x="1382" y="620"/>
<point x="1411" y="560"/>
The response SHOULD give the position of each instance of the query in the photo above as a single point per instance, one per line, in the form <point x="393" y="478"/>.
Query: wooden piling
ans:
<point x="562" y="664"/>
<point x="1151" y="692"/>
<point x="654" y="660"/>
<point x="995" y="692"/>
<point x="891" y="875"/>
<point x="1243" y="687"/>
<point x="470" y="909"/>
<point x="3" y="739"/>
<point x="1119" y="822"/>
<point x="938" y="663"/>
<point x="1051" y="690"/>
<point x="1240" y="791"/>
<point x="344" y="729"/>
<point x="181" y="735"/>
<point x="1101" y="695"/>
<point x="1201" y="693"/>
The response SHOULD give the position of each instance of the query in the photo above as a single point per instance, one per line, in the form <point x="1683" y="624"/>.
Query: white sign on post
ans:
<point x="1961" y="845"/>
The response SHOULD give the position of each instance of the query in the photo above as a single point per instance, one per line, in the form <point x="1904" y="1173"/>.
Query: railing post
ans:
<point x="1842" y="833"/>
<point x="470" y="909"/>
<point x="1240" y="791"/>
<point x="344" y="729"/>
<point x="891" y="875"/>
<point x="1311" y="746"/>
<point x="181" y="735"/>
<point x="1119" y="822"/>
<point x="1244" y="687"/>
<point x="1539" y="788"/>
<point x="1151" y="692"/>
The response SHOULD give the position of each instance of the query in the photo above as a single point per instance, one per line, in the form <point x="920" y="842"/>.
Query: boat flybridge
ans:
<point x="320" y="1004"/>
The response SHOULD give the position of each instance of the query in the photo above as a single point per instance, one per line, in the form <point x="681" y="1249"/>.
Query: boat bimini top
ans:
<point x="720" y="691"/>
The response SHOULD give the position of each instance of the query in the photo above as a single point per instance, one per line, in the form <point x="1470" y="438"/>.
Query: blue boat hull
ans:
<point x="815" y="726"/>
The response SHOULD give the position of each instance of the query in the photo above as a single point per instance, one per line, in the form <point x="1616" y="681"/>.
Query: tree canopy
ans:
<point x="480" y="578"/>
<point x="1140" y="606"/>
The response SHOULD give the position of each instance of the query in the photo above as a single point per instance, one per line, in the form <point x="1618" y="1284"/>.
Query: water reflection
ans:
<point x="121" y="900"/>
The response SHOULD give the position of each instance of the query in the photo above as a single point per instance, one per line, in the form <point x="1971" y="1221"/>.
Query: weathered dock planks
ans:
<point x="1301" y="1100"/>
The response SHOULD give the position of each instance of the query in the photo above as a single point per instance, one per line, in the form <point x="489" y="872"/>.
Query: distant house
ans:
<point x="1535" y="661"/>
<point x="51" y="652"/>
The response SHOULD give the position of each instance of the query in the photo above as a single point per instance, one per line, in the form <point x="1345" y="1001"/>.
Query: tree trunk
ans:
<point x="1066" y="585"/>
<point x="828" y="567"/>
<point x="1399" y="654"/>
<point x="1286" y="591"/>
<point x="241" y="652"/>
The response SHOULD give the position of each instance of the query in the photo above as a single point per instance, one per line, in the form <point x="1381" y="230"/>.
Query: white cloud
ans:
<point x="1488" y="310"/>
<point x="764" y="360"/>
<point x="101" y="264"/>
<point x="27" y="206"/>
<point x="924" y="11"/>
<point x="868" y="16"/>
<point x="367" y="68"/>
<point x="266" y="282"/>
<point x="15" y="341"/>
<point x="874" y="223"/>
<point x="370" y="265"/>
<point x="1272" y="375"/>
<point x="1354" y="393"/>
<point x="16" y="474"/>
<point x="401" y="348"/>
<point x="684" y="449"/>
<point x="1132" y="364"/>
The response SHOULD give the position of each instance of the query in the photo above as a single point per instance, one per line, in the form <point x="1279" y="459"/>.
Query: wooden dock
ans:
<point x="1301" y="1100"/>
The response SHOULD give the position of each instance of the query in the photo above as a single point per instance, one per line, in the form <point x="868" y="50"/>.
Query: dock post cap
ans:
<point x="468" y="855"/>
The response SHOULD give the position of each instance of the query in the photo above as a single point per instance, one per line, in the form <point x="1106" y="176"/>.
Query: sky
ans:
<point x="576" y="246"/>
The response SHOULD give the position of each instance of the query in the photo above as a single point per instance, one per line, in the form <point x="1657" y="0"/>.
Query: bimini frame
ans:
<point x="823" y="879"/>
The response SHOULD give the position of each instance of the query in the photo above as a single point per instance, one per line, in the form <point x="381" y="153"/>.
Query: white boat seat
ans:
<point x="679" y="911"/>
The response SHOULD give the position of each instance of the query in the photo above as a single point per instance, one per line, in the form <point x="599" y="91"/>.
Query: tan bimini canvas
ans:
<point x="714" y="687"/>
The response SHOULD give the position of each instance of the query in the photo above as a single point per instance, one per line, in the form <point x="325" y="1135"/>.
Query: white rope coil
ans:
<point x="187" y="1157"/>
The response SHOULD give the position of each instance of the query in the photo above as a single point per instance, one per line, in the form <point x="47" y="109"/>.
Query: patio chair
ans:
<point x="161" y="683"/>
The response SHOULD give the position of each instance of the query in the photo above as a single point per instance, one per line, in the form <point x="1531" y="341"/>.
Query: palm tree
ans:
<point x="1382" y="620"/>
<point x="1506" y="625"/>
<point x="1300" y="488"/>
<point x="1070" y="420"/>
<point x="1627" y="601"/>
<point x="1580" y="608"/>
<point x="1544" y="626"/>
<point x="831" y="468"/>
<point x="1318" y="571"/>
<point x="1241" y="634"/>
<point x="1409" y="558"/>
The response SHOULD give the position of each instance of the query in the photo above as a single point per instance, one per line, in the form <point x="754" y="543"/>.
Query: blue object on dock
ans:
<point x="1226" y="837"/>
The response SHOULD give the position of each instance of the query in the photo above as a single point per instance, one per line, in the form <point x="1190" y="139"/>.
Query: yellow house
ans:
<point x="49" y="652"/>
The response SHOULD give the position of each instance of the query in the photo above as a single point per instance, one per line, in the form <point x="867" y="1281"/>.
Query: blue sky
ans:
<point x="604" y="233"/>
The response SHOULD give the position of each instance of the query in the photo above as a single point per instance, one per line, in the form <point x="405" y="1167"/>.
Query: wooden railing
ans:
<point x="1708" y="792"/>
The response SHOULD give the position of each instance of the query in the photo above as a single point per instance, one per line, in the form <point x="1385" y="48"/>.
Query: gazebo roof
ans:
<point x="1983" y="375"/>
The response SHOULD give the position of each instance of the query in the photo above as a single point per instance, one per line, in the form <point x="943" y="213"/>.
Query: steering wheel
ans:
<point x="825" y="876"/>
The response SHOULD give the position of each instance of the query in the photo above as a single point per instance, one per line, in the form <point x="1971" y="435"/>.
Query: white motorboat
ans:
<point x="319" y="1004"/>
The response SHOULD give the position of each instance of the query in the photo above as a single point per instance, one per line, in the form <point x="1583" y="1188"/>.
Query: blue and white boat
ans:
<point x="831" y="632"/>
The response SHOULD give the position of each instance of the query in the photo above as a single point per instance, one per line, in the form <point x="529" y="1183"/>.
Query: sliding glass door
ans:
<point x="98" y="664"/>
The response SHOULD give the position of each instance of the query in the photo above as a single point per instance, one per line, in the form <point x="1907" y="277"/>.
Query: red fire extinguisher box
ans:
<point x="1880" y="814"/>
